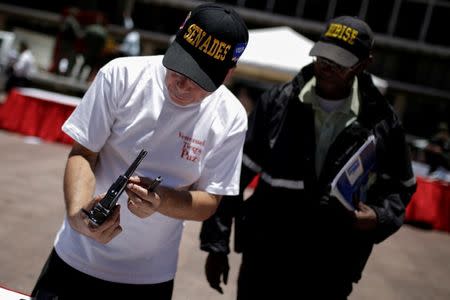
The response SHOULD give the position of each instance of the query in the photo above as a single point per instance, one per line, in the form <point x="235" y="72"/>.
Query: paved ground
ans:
<point x="413" y="264"/>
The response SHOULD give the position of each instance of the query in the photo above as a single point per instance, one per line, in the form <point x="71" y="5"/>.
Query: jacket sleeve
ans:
<point x="395" y="183"/>
<point x="215" y="231"/>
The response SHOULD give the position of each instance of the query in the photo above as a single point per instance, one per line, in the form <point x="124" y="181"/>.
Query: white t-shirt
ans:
<point x="126" y="109"/>
<point x="25" y="64"/>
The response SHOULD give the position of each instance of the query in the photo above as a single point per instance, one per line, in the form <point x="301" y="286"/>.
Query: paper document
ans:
<point x="7" y="294"/>
<point x="353" y="176"/>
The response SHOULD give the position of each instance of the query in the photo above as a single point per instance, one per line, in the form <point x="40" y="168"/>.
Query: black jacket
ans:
<point x="289" y="215"/>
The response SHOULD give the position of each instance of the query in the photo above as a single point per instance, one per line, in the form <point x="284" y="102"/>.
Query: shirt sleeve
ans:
<point x="222" y="168"/>
<point x="90" y="123"/>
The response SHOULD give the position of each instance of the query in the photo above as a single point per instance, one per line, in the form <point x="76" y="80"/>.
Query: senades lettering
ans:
<point x="342" y="32"/>
<point x="203" y="41"/>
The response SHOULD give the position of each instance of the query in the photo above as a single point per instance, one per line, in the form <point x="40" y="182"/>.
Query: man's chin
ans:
<point x="180" y="101"/>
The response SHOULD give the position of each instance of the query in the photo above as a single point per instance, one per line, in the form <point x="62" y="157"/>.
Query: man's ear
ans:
<point x="229" y="75"/>
<point x="364" y="64"/>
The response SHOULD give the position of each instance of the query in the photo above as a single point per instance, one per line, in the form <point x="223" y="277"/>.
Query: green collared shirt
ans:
<point x="328" y="125"/>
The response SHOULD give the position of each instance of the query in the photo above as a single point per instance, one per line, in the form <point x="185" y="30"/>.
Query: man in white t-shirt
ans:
<point x="22" y="69"/>
<point x="193" y="127"/>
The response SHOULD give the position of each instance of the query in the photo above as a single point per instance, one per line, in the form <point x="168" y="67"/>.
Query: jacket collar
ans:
<point x="368" y="93"/>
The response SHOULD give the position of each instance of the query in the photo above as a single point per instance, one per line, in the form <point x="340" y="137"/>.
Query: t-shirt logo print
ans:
<point x="191" y="148"/>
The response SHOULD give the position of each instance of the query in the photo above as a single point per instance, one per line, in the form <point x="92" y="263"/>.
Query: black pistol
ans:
<point x="104" y="208"/>
<point x="154" y="184"/>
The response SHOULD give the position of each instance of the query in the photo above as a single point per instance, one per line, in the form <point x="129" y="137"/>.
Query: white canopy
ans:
<point x="278" y="53"/>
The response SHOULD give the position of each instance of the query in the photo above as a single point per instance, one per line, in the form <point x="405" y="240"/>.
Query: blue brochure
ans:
<point x="352" y="180"/>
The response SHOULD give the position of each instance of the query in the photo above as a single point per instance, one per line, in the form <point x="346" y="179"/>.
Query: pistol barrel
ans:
<point x="135" y="164"/>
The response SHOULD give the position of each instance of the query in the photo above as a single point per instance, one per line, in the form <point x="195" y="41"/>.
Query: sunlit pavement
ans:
<point x="412" y="264"/>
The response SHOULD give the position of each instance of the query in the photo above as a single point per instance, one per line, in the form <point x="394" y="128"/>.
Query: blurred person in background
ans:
<point x="131" y="44"/>
<point x="69" y="36"/>
<point x="297" y="241"/>
<point x="22" y="68"/>
<point x="437" y="152"/>
<point x="94" y="42"/>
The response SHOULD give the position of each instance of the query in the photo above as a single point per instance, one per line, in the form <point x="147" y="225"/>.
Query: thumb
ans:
<point x="219" y="289"/>
<point x="99" y="197"/>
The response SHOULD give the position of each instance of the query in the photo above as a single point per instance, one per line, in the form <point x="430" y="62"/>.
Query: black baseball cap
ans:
<point x="207" y="45"/>
<point x="345" y="41"/>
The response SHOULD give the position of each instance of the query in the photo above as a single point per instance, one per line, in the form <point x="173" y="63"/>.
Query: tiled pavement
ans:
<point x="412" y="264"/>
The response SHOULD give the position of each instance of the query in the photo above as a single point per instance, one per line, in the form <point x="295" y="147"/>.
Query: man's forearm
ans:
<point x="79" y="181"/>
<point x="187" y="205"/>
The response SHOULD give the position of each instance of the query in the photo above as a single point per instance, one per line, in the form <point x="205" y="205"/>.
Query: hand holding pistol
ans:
<point x="105" y="207"/>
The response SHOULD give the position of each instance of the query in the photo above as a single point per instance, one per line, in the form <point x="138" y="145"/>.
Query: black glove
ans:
<point x="216" y="266"/>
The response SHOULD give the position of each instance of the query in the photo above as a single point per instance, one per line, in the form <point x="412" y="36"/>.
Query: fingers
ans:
<point x="139" y="208"/>
<point x="213" y="276"/>
<point x="134" y="179"/>
<point x="216" y="267"/>
<point x="138" y="190"/>
<point x="213" y="279"/>
<point x="217" y="288"/>
<point x="366" y="218"/>
<point x="99" y="197"/>
<point x="214" y="282"/>
<point x="108" y="230"/>
<point x="104" y="233"/>
<point x="113" y="229"/>
<point x="363" y="207"/>
<point x="145" y="182"/>
<point x="362" y="210"/>
<point x="141" y="202"/>
<point x="139" y="180"/>
<point x="225" y="275"/>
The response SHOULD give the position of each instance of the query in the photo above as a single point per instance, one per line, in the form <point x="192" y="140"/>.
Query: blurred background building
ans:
<point x="412" y="49"/>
